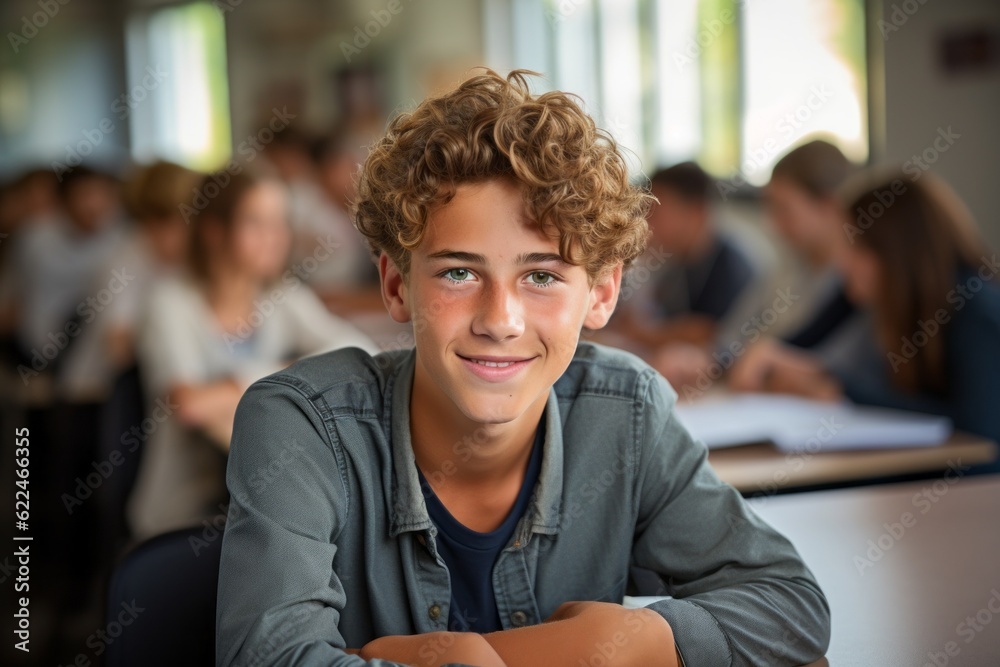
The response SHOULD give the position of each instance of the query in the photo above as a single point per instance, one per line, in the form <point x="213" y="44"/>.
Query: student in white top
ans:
<point x="238" y="315"/>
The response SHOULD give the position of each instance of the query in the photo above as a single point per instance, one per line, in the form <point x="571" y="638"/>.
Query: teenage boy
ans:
<point x="481" y="498"/>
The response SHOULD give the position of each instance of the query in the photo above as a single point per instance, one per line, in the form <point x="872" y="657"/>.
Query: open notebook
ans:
<point x="799" y="424"/>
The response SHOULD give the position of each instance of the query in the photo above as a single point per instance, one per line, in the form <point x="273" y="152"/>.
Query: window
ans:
<point x="178" y="94"/>
<point x="804" y="74"/>
<point x="729" y="83"/>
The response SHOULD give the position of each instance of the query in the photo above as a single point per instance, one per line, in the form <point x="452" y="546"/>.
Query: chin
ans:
<point x="486" y="409"/>
<point x="483" y="412"/>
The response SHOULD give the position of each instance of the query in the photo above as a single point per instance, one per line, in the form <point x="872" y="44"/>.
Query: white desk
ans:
<point x="903" y="567"/>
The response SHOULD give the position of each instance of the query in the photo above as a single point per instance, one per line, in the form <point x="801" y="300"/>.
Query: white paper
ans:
<point x="799" y="424"/>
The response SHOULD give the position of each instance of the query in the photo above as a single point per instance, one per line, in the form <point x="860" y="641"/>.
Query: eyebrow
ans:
<point x="475" y="258"/>
<point x="459" y="256"/>
<point x="541" y="258"/>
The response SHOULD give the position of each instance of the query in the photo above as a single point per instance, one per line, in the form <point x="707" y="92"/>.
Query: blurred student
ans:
<point x="334" y="259"/>
<point x="32" y="195"/>
<point x="157" y="248"/>
<point x="56" y="263"/>
<point x="919" y="263"/>
<point x="801" y="203"/>
<point x="290" y="156"/>
<point x="52" y="298"/>
<point x="705" y="271"/>
<point x="349" y="282"/>
<point x="238" y="316"/>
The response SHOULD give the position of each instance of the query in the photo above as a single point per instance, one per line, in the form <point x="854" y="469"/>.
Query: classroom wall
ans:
<point x="72" y="71"/>
<point x="61" y="74"/>
<point x="294" y="54"/>
<point x="283" y="58"/>
<point x="920" y="99"/>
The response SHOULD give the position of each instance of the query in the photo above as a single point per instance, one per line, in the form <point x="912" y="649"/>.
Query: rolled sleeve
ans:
<point x="741" y="594"/>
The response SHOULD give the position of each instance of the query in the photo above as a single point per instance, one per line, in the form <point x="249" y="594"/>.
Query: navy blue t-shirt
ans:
<point x="470" y="555"/>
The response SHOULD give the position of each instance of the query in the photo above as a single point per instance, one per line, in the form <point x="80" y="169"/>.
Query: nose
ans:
<point x="499" y="314"/>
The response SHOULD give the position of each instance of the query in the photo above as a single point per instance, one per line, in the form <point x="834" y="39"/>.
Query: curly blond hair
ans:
<point x="574" y="179"/>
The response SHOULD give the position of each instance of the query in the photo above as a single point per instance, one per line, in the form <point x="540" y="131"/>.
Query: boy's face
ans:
<point x="497" y="314"/>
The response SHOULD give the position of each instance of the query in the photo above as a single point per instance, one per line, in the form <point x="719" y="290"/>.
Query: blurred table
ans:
<point x="911" y="571"/>
<point x="761" y="469"/>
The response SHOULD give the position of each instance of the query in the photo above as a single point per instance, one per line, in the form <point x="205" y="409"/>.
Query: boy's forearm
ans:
<point x="621" y="637"/>
<point x="432" y="649"/>
<point x="584" y="633"/>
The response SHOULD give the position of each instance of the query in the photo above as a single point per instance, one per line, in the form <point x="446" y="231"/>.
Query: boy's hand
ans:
<point x="682" y="364"/>
<point x="590" y="633"/>
<point x="433" y="649"/>
<point x="770" y="366"/>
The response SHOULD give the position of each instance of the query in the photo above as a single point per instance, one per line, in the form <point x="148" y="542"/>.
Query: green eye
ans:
<point x="542" y="278"/>
<point x="457" y="275"/>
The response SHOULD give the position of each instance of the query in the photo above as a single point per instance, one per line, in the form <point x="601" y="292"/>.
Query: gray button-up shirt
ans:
<point x="329" y="545"/>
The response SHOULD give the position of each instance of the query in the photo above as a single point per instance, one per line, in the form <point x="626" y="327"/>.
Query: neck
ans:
<point x="455" y="451"/>
<point x="230" y="289"/>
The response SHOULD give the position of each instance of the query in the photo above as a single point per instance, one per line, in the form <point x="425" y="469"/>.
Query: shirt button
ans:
<point x="434" y="611"/>
<point x="518" y="618"/>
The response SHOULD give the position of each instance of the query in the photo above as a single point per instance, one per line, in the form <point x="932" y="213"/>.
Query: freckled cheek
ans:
<point x="558" y="328"/>
<point x="440" y="316"/>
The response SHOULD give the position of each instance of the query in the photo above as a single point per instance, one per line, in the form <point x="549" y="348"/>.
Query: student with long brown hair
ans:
<point x="915" y="258"/>
<point x="239" y="314"/>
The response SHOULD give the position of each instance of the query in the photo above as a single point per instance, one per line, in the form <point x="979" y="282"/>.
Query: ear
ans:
<point x="394" y="291"/>
<point x="603" y="298"/>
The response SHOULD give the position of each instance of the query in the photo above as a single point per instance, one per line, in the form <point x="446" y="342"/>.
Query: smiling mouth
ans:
<point x="496" y="362"/>
<point x="493" y="364"/>
<point x="495" y="368"/>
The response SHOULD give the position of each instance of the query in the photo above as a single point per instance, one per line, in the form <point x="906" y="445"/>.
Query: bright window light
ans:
<point x="729" y="83"/>
<point x="179" y="94"/>
<point x="820" y="92"/>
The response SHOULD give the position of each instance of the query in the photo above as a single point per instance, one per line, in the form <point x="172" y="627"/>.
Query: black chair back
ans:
<point x="163" y="595"/>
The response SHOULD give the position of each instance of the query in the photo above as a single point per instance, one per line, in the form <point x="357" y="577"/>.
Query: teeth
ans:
<point x="494" y="364"/>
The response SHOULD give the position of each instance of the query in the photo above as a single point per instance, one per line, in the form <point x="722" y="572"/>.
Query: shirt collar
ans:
<point x="409" y="511"/>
